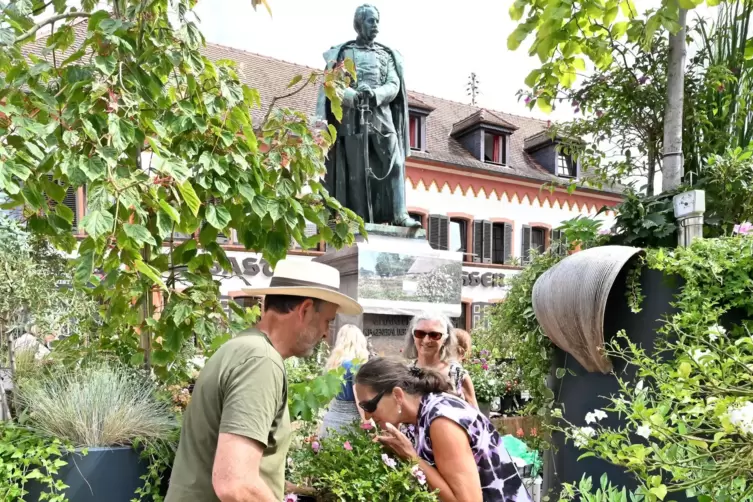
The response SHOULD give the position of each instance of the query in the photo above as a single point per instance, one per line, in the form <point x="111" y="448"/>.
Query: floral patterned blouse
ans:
<point x="500" y="481"/>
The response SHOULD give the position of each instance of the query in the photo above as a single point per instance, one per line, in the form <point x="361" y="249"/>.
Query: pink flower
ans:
<point x="485" y="366"/>
<point x="315" y="446"/>
<point x="527" y="100"/>
<point x="367" y="426"/>
<point x="520" y="432"/>
<point x="389" y="462"/>
<point x="291" y="497"/>
<point x="347" y="446"/>
<point x="418" y="474"/>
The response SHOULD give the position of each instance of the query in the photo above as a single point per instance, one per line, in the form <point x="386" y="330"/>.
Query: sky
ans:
<point x="442" y="42"/>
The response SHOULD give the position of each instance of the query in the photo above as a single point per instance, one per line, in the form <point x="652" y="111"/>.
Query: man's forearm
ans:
<point x="255" y="490"/>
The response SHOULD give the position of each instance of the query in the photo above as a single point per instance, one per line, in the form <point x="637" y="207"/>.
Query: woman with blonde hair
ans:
<point x="350" y="351"/>
<point x="462" y="345"/>
<point x="430" y="343"/>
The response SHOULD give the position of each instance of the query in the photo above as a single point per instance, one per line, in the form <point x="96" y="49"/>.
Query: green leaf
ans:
<point x="150" y="272"/>
<point x="251" y="141"/>
<point x="295" y="80"/>
<point x="161" y="357"/>
<point x="94" y="168"/>
<point x="532" y="77"/>
<point x="247" y="192"/>
<point x="164" y="224"/>
<point x="560" y="373"/>
<point x="139" y="233"/>
<point x="579" y="64"/>
<point x="749" y="48"/>
<point x="218" y="216"/>
<point x="106" y="64"/>
<point x="259" y="206"/>
<point x="544" y="104"/>
<point x="169" y="210"/>
<point x="660" y="491"/>
<point x="517" y="9"/>
<point x="190" y="197"/>
<point x="84" y="267"/>
<point x="97" y="223"/>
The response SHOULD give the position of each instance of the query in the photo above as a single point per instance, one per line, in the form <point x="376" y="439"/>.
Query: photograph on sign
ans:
<point x="401" y="281"/>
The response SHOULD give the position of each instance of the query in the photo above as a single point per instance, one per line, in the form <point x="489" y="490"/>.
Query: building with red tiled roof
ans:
<point x="490" y="184"/>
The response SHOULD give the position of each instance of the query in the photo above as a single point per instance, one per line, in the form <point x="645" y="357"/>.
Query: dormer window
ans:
<point x="566" y="166"/>
<point x="418" y="111"/>
<point x="495" y="148"/>
<point x="417" y="132"/>
<point x="485" y="135"/>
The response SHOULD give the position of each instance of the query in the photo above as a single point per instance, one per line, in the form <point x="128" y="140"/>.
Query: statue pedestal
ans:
<point x="394" y="275"/>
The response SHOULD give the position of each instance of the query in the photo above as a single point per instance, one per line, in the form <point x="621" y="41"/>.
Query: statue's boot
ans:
<point x="406" y="221"/>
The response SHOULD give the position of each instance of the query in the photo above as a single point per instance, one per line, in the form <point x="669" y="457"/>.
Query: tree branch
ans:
<point x="53" y="19"/>
<point x="277" y="98"/>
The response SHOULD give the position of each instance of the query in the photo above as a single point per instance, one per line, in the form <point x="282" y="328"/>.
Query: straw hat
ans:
<point x="310" y="279"/>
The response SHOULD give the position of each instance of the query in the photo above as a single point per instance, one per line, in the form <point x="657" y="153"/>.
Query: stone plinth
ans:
<point x="395" y="274"/>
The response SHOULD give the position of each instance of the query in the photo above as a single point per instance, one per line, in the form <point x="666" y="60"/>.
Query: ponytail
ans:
<point x="384" y="374"/>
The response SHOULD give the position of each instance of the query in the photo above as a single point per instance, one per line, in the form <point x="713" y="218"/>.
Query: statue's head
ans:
<point x="366" y="22"/>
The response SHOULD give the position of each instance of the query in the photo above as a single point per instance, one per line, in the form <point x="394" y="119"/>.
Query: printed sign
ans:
<point x="385" y="325"/>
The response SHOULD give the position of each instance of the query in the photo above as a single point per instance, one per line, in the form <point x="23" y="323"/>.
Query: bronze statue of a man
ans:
<point x="366" y="167"/>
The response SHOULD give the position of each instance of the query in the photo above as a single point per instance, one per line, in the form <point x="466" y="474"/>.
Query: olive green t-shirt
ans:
<point x="241" y="390"/>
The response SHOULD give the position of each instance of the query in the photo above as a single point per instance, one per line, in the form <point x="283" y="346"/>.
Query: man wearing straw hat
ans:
<point x="236" y="431"/>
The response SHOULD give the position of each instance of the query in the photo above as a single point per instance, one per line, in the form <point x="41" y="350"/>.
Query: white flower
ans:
<point x="581" y="436"/>
<point x="742" y="417"/>
<point x="643" y="431"/>
<point x="557" y="413"/>
<point x="595" y="416"/>
<point x="700" y="356"/>
<point x="715" y="332"/>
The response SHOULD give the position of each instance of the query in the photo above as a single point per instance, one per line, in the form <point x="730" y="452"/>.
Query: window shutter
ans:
<point x="526" y="247"/>
<point x="478" y="241"/>
<point x="69" y="201"/>
<point x="508" y="243"/>
<point x="488" y="242"/>
<point x="444" y="233"/>
<point x="505" y="149"/>
<point x="434" y="224"/>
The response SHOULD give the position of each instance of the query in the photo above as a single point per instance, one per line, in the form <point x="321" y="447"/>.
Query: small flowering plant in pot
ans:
<point x="351" y="466"/>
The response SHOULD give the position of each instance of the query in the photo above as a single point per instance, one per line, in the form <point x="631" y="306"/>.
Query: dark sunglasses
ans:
<point x="433" y="335"/>
<point x="370" y="406"/>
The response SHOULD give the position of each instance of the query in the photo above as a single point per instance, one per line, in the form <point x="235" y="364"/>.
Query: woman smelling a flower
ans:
<point x="458" y="450"/>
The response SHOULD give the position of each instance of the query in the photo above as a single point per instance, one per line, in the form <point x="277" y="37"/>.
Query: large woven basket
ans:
<point x="570" y="299"/>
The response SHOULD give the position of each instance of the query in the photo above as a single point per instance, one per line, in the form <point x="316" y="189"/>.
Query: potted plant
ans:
<point x="99" y="412"/>
<point x="352" y="466"/>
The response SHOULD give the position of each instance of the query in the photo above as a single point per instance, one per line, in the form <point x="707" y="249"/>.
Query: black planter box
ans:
<point x="104" y="474"/>
<point x="583" y="392"/>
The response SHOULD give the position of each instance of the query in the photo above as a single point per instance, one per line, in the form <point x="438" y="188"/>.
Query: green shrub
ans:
<point x="353" y="467"/>
<point x="97" y="405"/>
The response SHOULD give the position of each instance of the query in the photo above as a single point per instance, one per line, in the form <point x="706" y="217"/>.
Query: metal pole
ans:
<point x="689" y="208"/>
